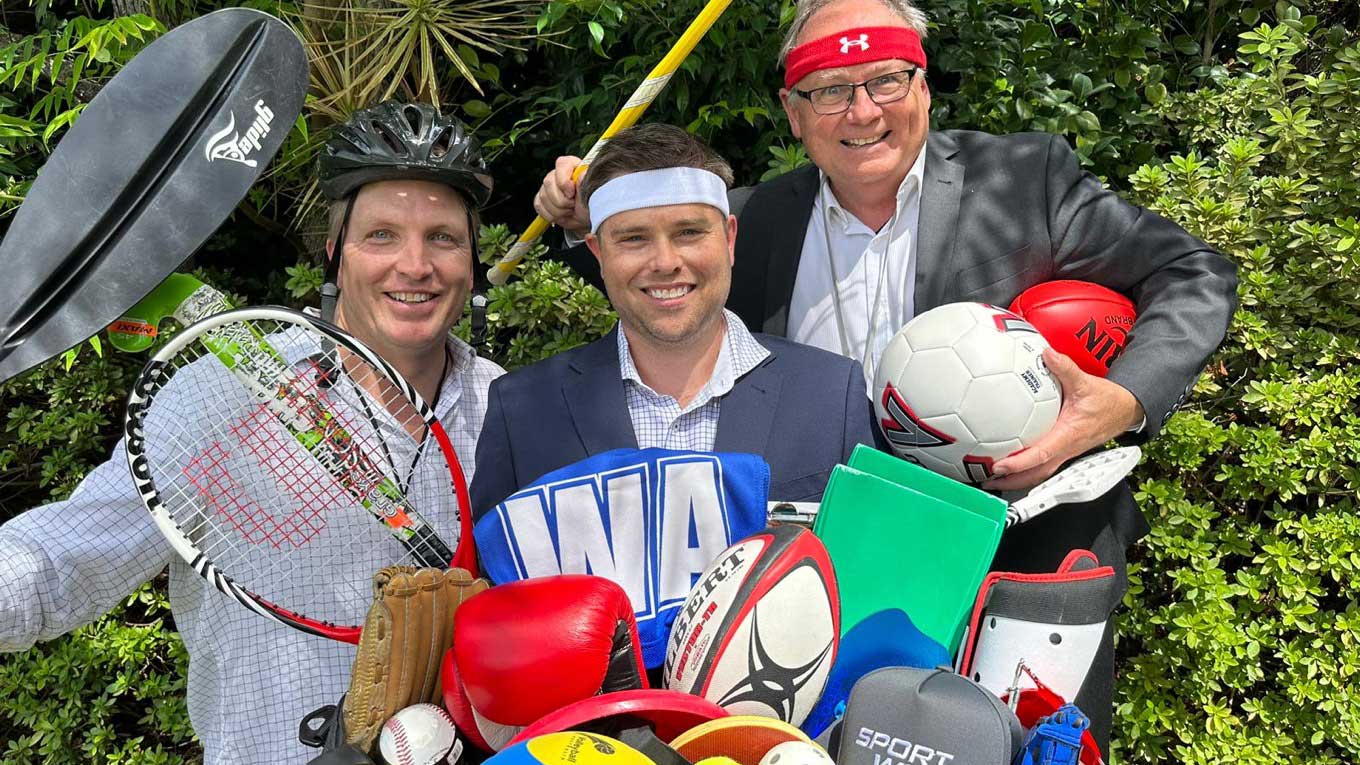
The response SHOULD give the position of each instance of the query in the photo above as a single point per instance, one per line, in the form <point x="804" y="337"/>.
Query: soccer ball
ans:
<point x="964" y="385"/>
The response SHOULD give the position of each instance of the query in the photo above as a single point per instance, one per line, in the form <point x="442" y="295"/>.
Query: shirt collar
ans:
<point x="461" y="358"/>
<point x="740" y="353"/>
<point x="907" y="191"/>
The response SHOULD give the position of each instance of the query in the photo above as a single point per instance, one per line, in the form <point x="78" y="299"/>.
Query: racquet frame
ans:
<point x="226" y="336"/>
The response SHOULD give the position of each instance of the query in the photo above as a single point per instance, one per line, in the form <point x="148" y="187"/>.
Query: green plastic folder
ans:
<point x="903" y="537"/>
<point x="913" y="476"/>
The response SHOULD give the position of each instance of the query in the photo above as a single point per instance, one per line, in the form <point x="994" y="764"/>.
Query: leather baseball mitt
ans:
<point x="408" y="629"/>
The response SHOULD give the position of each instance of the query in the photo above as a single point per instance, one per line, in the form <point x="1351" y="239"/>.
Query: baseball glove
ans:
<point x="408" y="629"/>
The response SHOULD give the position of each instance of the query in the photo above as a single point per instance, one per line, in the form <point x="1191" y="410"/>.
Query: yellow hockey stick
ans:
<point x="627" y="116"/>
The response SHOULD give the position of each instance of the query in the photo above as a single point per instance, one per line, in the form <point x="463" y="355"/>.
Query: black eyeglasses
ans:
<point x="883" y="89"/>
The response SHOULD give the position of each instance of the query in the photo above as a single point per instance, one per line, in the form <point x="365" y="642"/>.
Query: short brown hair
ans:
<point x="653" y="146"/>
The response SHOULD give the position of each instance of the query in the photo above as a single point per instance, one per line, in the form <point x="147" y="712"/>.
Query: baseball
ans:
<point x="421" y="734"/>
<point x="796" y="753"/>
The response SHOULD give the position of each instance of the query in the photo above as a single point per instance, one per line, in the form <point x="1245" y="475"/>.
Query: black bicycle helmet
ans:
<point x="397" y="141"/>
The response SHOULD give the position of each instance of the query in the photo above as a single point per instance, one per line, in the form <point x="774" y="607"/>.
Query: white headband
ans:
<point x="657" y="188"/>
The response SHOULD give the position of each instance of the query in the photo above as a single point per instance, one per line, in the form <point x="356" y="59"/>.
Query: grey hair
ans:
<point x="806" y="9"/>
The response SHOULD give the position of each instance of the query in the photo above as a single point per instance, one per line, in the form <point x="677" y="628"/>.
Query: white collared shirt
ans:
<point x="863" y="258"/>
<point x="659" y="422"/>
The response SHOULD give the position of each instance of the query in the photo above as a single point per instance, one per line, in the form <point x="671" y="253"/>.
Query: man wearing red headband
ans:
<point x="894" y="219"/>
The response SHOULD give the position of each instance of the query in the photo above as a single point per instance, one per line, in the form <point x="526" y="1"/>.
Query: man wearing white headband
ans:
<point x="679" y="371"/>
<point x="894" y="219"/>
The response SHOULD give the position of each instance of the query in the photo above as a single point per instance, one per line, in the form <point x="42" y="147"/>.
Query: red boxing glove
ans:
<point x="524" y="649"/>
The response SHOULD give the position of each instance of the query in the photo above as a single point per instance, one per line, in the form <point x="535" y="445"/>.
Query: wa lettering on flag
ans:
<point x="649" y="519"/>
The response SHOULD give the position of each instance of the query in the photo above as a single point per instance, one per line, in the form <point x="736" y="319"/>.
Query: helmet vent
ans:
<point x="393" y="141"/>
<point x="413" y="118"/>
<point x="440" y="147"/>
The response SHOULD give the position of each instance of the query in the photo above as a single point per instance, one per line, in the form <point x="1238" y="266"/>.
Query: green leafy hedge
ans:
<point x="1242" y="641"/>
<point x="1240" y="119"/>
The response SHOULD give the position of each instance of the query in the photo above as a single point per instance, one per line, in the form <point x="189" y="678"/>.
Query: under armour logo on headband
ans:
<point x="862" y="43"/>
<point x="850" y="47"/>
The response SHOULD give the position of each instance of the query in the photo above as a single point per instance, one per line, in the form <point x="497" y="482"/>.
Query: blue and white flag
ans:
<point x="649" y="519"/>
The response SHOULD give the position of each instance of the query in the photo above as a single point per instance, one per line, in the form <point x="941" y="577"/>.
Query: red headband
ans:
<point x="853" y="46"/>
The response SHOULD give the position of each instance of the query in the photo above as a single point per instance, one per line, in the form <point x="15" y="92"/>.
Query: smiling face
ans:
<point x="667" y="271"/>
<point x="869" y="145"/>
<point x="407" y="267"/>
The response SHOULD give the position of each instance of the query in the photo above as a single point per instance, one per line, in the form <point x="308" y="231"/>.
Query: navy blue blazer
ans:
<point x="802" y="409"/>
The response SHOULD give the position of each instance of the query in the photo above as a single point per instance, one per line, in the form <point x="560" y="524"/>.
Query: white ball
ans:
<point x="421" y="734"/>
<point x="797" y="753"/>
<point x="964" y="385"/>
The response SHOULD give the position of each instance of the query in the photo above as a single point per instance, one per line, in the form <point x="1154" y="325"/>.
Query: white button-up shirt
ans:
<point x="250" y="680"/>
<point x="659" y="422"/>
<point x="871" y="268"/>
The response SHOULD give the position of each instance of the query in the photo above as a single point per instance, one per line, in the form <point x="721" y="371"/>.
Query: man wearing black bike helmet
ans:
<point x="406" y="183"/>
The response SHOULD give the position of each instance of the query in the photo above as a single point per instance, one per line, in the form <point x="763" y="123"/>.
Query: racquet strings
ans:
<point x="265" y="462"/>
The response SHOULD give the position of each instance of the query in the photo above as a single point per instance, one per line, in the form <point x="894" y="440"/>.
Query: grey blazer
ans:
<point x="1000" y="214"/>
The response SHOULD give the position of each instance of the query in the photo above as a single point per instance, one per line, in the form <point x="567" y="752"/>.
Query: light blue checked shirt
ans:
<point x="660" y="422"/>
<point x="250" y="680"/>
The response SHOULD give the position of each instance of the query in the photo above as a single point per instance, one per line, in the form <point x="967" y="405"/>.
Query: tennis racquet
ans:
<point x="1082" y="481"/>
<point x="284" y="461"/>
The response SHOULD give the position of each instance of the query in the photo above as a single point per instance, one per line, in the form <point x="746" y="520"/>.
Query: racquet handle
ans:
<point x="628" y="116"/>
<point x="1084" y="480"/>
<point x="426" y="545"/>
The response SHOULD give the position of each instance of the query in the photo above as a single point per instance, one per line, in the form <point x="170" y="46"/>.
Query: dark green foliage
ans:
<point x="549" y="310"/>
<point x="48" y="75"/>
<point x="559" y="96"/>
<point x="1240" y="119"/>
<point x="1241" y="642"/>
<point x="111" y="692"/>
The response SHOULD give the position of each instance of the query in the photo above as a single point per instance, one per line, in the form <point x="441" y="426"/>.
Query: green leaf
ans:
<point x="596" y="31"/>
<point x="1156" y="93"/>
<point x="476" y="109"/>
<point x="62" y="120"/>
<point x="1186" y="45"/>
<point x="1081" y="86"/>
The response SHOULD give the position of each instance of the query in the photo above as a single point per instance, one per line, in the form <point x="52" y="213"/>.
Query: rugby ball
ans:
<point x="1084" y="321"/>
<point x="758" y="633"/>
